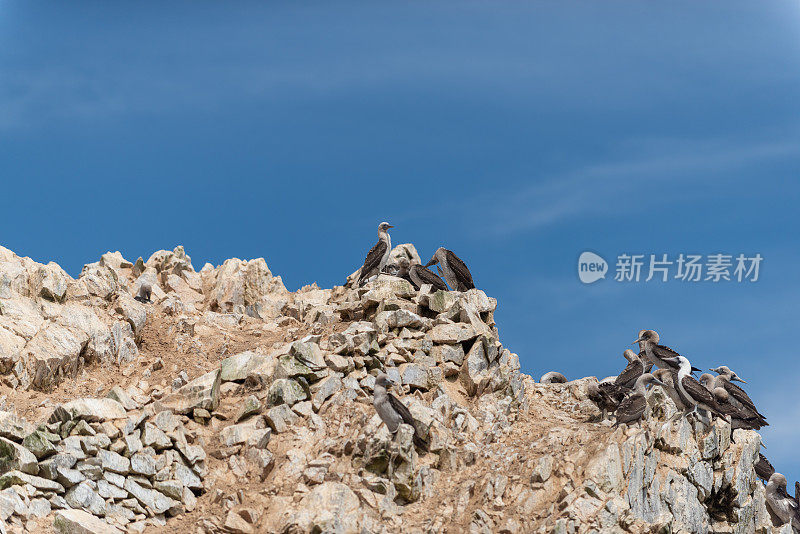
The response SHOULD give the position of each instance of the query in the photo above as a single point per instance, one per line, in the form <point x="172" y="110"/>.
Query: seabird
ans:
<point x="738" y="395"/>
<point x="632" y="407"/>
<point x="392" y="411"/>
<point x="553" y="377"/>
<point x="454" y="270"/>
<point x="403" y="267"/>
<point x="764" y="469"/>
<point x="657" y="354"/>
<point x="606" y="395"/>
<point x="669" y="378"/>
<point x="740" y="417"/>
<point x="627" y="378"/>
<point x="781" y="504"/>
<point x="692" y="390"/>
<point x="144" y="293"/>
<point x="378" y="255"/>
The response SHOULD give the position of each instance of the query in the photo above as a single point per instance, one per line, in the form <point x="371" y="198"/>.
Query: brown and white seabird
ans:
<point x="392" y="411"/>
<point x="453" y="269"/>
<point x="692" y="390"/>
<point x="632" y="407"/>
<point x="659" y="355"/>
<point x="740" y="417"/>
<point x="378" y="255"/>
<point x="627" y="378"/>
<point x="669" y="377"/>
<point x="737" y="394"/>
<point x="419" y="275"/>
<point x="782" y="505"/>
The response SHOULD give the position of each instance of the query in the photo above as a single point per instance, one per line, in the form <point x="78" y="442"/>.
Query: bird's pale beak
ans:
<point x="637" y="341"/>
<point x="714" y="370"/>
<point x="737" y="379"/>
<point x="390" y="226"/>
<point x="658" y="382"/>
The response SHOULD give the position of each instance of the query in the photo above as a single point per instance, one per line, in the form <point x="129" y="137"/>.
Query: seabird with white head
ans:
<point x="692" y="390"/>
<point x="392" y="411"/>
<point x="782" y="505"/>
<point x="669" y="377"/>
<point x="453" y="269"/>
<point x="378" y="255"/>
<point x="632" y="407"/>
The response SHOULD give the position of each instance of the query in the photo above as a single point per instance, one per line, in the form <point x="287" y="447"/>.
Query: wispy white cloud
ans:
<point x="655" y="170"/>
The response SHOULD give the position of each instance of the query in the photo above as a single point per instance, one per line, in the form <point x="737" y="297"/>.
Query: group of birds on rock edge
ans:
<point x="715" y="396"/>
<point x="450" y="266"/>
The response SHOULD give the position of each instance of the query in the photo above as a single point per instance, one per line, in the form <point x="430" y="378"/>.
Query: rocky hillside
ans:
<point x="229" y="404"/>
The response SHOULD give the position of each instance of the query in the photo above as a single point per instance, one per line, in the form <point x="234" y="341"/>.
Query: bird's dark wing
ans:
<point x="429" y="277"/>
<point x="796" y="491"/>
<point x="408" y="419"/>
<point x="460" y="269"/>
<point x="662" y="351"/>
<point x="627" y="378"/>
<point x="631" y="408"/>
<point x="373" y="259"/>
<point x="698" y="391"/>
<point x="739" y="394"/>
<point x="764" y="469"/>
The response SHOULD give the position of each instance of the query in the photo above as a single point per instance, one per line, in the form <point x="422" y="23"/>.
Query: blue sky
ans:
<point x="518" y="134"/>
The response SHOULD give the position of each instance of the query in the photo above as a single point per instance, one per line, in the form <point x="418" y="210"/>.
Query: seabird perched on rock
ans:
<point x="144" y="293"/>
<point x="659" y="355"/>
<point x="737" y="394"/>
<point x="378" y="255"/>
<point x="632" y="407"/>
<point x="669" y="378"/>
<point x="606" y="395"/>
<point x="782" y="505"/>
<point x="419" y="275"/>
<point x="553" y="377"/>
<point x="764" y="469"/>
<point x="740" y="417"/>
<point x="627" y="378"/>
<point x="392" y="411"/>
<point x="692" y="390"/>
<point x="454" y="270"/>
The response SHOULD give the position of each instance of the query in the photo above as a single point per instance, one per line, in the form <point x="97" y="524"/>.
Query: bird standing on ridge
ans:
<point x="453" y="270"/>
<point x="392" y="411"/>
<point x="627" y="378"/>
<point x="378" y="255"/>
<point x="669" y="378"/>
<point x="738" y="396"/>
<point x="659" y="355"/>
<point x="632" y="407"/>
<point x="419" y="275"/>
<point x="740" y="417"/>
<point x="553" y="377"/>
<point x="144" y="293"/>
<point x="692" y="390"/>
<point x="781" y="504"/>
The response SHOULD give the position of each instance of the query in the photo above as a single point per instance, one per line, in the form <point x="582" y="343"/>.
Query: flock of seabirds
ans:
<point x="624" y="395"/>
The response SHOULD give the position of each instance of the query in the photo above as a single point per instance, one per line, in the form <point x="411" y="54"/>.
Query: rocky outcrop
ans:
<point x="242" y="407"/>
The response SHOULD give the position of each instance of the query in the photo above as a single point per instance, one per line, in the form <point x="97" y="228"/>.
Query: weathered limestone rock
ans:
<point x="329" y="507"/>
<point x="202" y="392"/>
<point x="80" y="522"/>
<point x="94" y="410"/>
<point x="17" y="457"/>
